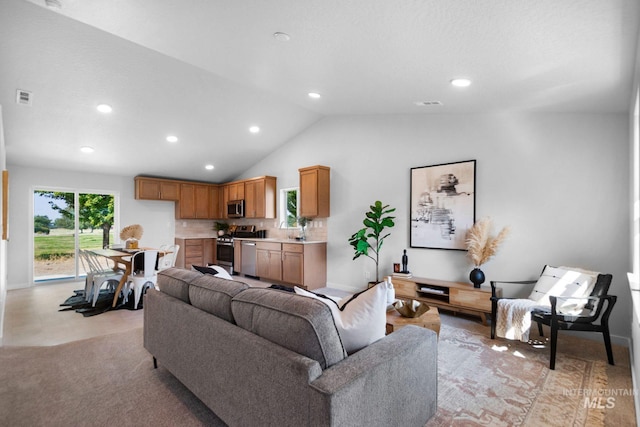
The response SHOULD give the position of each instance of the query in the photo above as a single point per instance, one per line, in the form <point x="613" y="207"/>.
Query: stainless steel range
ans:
<point x="224" y="252"/>
<point x="224" y="244"/>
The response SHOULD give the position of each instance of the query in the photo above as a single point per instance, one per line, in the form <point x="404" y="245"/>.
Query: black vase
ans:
<point x="477" y="277"/>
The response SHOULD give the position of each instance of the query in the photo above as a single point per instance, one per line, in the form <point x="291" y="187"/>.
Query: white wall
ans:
<point x="3" y="243"/>
<point x="561" y="181"/>
<point x="156" y="217"/>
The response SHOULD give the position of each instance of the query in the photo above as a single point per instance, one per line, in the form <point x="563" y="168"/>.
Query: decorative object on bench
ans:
<point x="410" y="308"/>
<point x="563" y="298"/>
<point x="482" y="246"/>
<point x="429" y="320"/>
<point x="374" y="225"/>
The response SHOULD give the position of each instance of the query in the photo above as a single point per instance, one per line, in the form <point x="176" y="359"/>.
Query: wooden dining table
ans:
<point x="122" y="258"/>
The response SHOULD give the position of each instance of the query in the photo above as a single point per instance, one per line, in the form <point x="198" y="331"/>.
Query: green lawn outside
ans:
<point x="61" y="245"/>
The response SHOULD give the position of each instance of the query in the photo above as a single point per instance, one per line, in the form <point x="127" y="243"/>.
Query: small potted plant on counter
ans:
<point x="302" y="222"/>
<point x="221" y="227"/>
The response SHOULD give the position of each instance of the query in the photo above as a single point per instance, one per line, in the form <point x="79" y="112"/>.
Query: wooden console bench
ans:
<point x="454" y="296"/>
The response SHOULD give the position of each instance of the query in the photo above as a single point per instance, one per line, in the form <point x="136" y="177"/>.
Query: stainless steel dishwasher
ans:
<point x="248" y="258"/>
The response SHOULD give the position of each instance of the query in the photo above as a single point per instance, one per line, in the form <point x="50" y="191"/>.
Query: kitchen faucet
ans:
<point x="284" y="225"/>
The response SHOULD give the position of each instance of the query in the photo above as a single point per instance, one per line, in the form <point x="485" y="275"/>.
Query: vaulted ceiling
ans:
<point x="207" y="70"/>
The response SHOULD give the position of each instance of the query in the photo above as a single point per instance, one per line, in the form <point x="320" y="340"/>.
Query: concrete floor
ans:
<point x="32" y="316"/>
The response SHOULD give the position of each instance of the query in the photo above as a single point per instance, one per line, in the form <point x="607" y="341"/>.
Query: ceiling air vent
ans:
<point x="24" y="97"/>
<point x="427" y="103"/>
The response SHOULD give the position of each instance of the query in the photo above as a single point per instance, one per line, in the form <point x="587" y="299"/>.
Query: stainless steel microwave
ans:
<point x="235" y="209"/>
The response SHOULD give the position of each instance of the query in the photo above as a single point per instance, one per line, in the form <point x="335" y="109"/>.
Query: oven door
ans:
<point x="224" y="256"/>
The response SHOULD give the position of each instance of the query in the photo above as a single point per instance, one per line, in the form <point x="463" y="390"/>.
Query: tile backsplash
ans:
<point x="315" y="230"/>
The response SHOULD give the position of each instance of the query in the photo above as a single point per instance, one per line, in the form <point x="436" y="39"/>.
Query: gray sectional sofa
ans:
<point x="265" y="357"/>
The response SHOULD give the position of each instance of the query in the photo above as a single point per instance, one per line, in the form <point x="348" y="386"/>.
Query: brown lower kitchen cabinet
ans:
<point x="195" y="251"/>
<point x="299" y="264"/>
<point x="269" y="261"/>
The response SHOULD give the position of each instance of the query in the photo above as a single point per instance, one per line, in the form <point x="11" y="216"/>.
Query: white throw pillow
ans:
<point x="564" y="282"/>
<point x="219" y="271"/>
<point x="361" y="320"/>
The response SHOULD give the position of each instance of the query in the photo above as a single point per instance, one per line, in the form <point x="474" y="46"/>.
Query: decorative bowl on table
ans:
<point x="410" y="308"/>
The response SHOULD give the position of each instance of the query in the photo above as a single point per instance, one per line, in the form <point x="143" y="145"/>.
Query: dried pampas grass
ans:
<point x="131" y="232"/>
<point x="480" y="244"/>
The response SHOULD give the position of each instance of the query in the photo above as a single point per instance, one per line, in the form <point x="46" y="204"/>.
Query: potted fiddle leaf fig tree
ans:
<point x="368" y="240"/>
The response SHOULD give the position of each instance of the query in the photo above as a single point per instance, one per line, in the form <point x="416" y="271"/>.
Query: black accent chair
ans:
<point x="595" y="317"/>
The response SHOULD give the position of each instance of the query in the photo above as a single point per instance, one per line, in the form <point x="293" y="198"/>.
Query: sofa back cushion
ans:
<point x="300" y="324"/>
<point x="213" y="295"/>
<point x="175" y="282"/>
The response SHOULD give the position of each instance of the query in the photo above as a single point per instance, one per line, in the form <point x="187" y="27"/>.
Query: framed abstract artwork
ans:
<point x="443" y="205"/>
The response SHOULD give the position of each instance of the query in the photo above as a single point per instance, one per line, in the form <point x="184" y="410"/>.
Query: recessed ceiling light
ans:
<point x="53" y="4"/>
<point x="427" y="103"/>
<point x="281" y="37"/>
<point x="254" y="129"/>
<point x="87" y="149"/>
<point x="461" y="82"/>
<point x="209" y="167"/>
<point x="314" y="95"/>
<point x="104" y="108"/>
<point x="172" y="138"/>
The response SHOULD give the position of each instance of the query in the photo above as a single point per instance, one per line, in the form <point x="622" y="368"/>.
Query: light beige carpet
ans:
<point x="110" y="380"/>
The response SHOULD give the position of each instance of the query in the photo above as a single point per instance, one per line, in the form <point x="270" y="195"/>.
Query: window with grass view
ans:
<point x="289" y="207"/>
<point x="64" y="222"/>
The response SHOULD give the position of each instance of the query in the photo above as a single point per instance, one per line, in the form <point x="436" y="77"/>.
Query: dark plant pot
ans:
<point x="477" y="277"/>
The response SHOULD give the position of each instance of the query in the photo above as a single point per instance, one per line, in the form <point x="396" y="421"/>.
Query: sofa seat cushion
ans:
<point x="175" y="282"/>
<point x="302" y="325"/>
<point x="213" y="295"/>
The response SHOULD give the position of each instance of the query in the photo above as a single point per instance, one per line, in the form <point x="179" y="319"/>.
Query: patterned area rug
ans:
<point x="484" y="382"/>
<point x="79" y="304"/>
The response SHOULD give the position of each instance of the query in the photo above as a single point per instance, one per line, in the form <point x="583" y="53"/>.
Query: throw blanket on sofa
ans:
<point x="514" y="318"/>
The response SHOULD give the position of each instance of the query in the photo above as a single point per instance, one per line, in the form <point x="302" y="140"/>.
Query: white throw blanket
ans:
<point x="514" y="318"/>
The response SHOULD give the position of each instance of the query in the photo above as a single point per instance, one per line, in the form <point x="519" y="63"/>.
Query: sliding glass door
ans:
<point x="65" y="221"/>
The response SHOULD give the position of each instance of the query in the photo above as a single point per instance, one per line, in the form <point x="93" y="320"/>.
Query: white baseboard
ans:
<point x="14" y="286"/>
<point x="634" y="383"/>
<point x="344" y="287"/>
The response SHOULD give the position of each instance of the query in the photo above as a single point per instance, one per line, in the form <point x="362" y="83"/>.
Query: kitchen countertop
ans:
<point x="255" y="239"/>
<point x="275" y="240"/>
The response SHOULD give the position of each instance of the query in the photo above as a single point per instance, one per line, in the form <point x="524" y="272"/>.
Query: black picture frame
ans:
<point x="443" y="205"/>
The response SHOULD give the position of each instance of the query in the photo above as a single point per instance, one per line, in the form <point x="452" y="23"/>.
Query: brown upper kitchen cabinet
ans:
<point x="260" y="197"/>
<point x="314" y="191"/>
<point x="236" y="190"/>
<point x="194" y="201"/>
<point x="148" y="188"/>
<point x="214" y="202"/>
